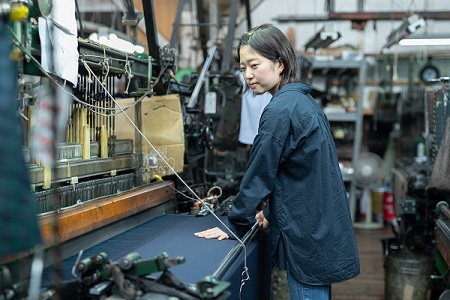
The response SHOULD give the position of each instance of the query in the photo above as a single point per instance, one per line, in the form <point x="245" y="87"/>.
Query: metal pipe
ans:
<point x="210" y="287"/>
<point x="248" y="15"/>
<point x="442" y="207"/>
<point x="193" y="100"/>
<point x="231" y="257"/>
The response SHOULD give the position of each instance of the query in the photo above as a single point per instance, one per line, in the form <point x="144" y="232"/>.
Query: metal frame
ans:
<point x="356" y="118"/>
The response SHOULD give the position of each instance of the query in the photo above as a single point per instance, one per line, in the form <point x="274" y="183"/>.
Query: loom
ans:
<point x="112" y="195"/>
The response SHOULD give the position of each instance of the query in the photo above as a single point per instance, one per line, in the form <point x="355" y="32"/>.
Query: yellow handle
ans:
<point x="18" y="12"/>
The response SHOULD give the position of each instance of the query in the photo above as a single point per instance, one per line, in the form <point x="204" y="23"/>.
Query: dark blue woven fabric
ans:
<point x="174" y="234"/>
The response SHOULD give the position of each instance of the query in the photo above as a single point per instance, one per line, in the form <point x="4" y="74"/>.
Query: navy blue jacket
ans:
<point x="293" y="163"/>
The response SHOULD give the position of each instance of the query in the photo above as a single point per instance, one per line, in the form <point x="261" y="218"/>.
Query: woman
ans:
<point x="293" y="164"/>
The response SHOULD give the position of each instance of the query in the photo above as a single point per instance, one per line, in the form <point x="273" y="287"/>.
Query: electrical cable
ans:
<point x="213" y="188"/>
<point x="122" y="110"/>
<point x="179" y="177"/>
<point x="245" y="271"/>
<point x="162" y="157"/>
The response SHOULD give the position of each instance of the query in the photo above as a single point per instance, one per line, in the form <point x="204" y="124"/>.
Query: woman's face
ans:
<point x="260" y="73"/>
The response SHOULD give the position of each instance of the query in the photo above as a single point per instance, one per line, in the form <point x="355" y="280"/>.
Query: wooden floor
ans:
<point x="369" y="285"/>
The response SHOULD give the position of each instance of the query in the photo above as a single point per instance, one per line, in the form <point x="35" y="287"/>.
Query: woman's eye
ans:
<point x="254" y="66"/>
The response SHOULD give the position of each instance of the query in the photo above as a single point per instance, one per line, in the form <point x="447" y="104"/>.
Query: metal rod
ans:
<point x="201" y="24"/>
<point x="248" y="15"/>
<point x="442" y="206"/>
<point x="174" y="39"/>
<point x="231" y="257"/>
<point x="151" y="30"/>
<point x="227" y="55"/>
<point x="201" y="79"/>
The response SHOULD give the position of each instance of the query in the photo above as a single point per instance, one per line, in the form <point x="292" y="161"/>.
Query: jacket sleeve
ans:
<point x="262" y="168"/>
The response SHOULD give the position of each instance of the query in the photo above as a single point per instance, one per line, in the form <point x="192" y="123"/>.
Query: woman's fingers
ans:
<point x="212" y="233"/>
<point x="262" y="221"/>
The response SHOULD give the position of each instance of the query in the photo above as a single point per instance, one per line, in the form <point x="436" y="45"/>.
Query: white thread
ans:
<point x="128" y="73"/>
<point x="177" y="175"/>
<point x="244" y="279"/>
<point x="105" y="66"/>
<point x="17" y="44"/>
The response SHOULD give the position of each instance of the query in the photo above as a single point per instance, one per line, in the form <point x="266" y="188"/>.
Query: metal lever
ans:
<point x="442" y="207"/>
<point x="211" y="286"/>
<point x="201" y="78"/>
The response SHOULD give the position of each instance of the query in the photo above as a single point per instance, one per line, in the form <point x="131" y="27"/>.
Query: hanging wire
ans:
<point x="162" y="157"/>
<point x="105" y="66"/>
<point x="185" y="184"/>
<point x="128" y="73"/>
<point x="408" y="10"/>
<point x="244" y="276"/>
<point x="411" y="4"/>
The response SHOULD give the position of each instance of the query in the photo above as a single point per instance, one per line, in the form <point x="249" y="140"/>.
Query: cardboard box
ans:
<point x="162" y="126"/>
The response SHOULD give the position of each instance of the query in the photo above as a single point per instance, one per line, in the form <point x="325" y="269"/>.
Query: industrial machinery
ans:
<point x="422" y="238"/>
<point x="90" y="178"/>
<point x="128" y="278"/>
<point x="131" y="277"/>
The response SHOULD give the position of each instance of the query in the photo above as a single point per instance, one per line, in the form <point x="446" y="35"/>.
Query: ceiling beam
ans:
<point x="364" y="16"/>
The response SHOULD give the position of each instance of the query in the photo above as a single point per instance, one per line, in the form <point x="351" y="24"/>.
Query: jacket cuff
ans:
<point x="266" y="213"/>
<point x="239" y="231"/>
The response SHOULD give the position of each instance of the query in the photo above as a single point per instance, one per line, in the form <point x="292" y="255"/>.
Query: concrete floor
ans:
<point x="279" y="284"/>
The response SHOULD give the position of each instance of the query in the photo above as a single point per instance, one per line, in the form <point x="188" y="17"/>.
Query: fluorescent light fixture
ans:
<point x="408" y="26"/>
<point x="426" y="40"/>
<point x="323" y="38"/>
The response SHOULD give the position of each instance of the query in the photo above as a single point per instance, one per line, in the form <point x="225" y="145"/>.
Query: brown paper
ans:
<point x="162" y="125"/>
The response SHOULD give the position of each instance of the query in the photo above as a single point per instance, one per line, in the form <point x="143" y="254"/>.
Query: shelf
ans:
<point x="327" y="70"/>
<point x="336" y="64"/>
<point x="342" y="117"/>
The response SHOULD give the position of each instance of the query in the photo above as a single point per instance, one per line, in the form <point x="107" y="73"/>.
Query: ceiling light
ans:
<point x="323" y="38"/>
<point x="408" y="26"/>
<point x="426" y="40"/>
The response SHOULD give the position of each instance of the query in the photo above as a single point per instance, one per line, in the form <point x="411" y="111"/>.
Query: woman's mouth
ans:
<point x="252" y="85"/>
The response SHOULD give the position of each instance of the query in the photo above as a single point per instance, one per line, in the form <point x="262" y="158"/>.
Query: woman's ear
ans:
<point x="280" y="64"/>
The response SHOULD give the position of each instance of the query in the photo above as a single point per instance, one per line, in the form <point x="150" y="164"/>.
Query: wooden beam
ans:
<point x="91" y="215"/>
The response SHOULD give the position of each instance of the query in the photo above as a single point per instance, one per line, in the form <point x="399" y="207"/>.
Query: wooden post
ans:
<point x="103" y="142"/>
<point x="77" y="129"/>
<point x="69" y="133"/>
<point x="86" y="143"/>
<point x="47" y="176"/>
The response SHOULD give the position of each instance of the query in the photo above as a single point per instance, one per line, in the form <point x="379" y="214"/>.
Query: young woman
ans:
<point x="293" y="164"/>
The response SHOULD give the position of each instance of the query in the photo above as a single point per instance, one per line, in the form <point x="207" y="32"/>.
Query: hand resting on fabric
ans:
<point x="212" y="233"/>
<point x="217" y="233"/>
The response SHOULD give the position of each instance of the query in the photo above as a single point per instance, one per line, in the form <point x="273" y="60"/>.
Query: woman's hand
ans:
<point x="263" y="223"/>
<point x="213" y="233"/>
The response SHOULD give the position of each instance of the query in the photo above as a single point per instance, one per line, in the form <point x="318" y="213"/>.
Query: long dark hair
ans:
<point x="270" y="42"/>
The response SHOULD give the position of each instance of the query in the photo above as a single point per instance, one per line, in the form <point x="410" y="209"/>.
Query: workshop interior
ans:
<point x="120" y="126"/>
